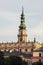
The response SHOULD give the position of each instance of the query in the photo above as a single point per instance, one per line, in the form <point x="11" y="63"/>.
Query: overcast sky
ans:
<point x="10" y="13"/>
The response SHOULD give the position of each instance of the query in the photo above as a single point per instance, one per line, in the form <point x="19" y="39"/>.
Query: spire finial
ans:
<point x="22" y="9"/>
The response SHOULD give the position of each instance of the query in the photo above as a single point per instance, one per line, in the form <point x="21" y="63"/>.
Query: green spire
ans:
<point x="22" y="15"/>
<point x="22" y="25"/>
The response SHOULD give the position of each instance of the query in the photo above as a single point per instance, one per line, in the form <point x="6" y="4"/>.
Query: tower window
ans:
<point x="21" y="33"/>
<point x="20" y="39"/>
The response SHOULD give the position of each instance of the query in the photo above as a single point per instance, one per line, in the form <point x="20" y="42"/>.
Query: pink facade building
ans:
<point x="37" y="55"/>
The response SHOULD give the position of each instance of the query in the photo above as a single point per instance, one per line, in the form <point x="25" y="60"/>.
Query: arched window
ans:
<point x="31" y="49"/>
<point x="14" y="49"/>
<point x="26" y="50"/>
<point x="20" y="50"/>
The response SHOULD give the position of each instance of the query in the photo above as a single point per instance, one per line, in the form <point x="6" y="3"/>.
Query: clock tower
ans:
<point x="22" y="36"/>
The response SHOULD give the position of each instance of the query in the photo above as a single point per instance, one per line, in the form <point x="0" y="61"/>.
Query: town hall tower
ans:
<point x="22" y="36"/>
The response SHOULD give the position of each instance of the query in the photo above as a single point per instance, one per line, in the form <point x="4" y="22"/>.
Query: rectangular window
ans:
<point x="39" y="54"/>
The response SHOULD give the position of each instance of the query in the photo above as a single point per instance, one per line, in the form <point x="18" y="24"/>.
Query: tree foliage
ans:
<point x="12" y="60"/>
<point x="37" y="63"/>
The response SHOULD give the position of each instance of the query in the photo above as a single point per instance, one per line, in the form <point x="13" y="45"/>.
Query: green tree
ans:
<point x="7" y="61"/>
<point x="1" y="54"/>
<point x="1" y="58"/>
<point x="17" y="61"/>
<point x="37" y="63"/>
<point x="12" y="60"/>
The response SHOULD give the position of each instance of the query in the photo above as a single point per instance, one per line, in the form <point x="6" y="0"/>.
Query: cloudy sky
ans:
<point x="10" y="11"/>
